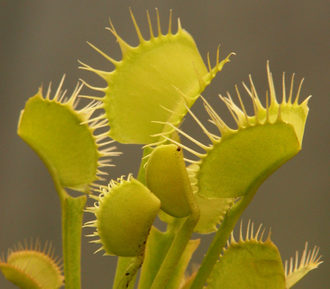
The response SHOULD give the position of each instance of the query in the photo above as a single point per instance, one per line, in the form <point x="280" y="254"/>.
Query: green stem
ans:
<point x="220" y="240"/>
<point x="131" y="271"/>
<point x="72" y="214"/>
<point x="176" y="250"/>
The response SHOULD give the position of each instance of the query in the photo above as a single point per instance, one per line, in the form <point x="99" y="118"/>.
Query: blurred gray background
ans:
<point x="42" y="40"/>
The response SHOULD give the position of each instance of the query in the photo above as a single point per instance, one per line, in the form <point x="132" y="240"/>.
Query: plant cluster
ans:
<point x="147" y="96"/>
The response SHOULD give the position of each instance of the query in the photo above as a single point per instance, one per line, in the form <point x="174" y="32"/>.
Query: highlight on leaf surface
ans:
<point x="32" y="267"/>
<point x="248" y="263"/>
<point x="297" y="270"/>
<point x="63" y="139"/>
<point x="149" y="82"/>
<point x="241" y="159"/>
<point x="124" y="211"/>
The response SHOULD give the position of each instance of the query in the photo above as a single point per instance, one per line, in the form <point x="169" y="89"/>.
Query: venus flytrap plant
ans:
<point x="146" y="98"/>
<point x="67" y="145"/>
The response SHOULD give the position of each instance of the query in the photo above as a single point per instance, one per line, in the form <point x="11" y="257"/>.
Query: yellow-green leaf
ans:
<point x="153" y="82"/>
<point x="249" y="263"/>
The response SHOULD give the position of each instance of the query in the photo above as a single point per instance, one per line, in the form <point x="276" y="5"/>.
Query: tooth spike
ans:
<point x="262" y="234"/>
<point x="258" y="231"/>
<point x="184" y="97"/>
<point x="272" y="93"/>
<point x="73" y="100"/>
<point x="208" y="134"/>
<point x="58" y="91"/>
<point x="124" y="46"/>
<point x="218" y="55"/>
<point x="61" y="96"/>
<point x="48" y="90"/>
<point x="185" y="147"/>
<point x="98" y="250"/>
<point x="248" y="231"/>
<point x="171" y="111"/>
<point x="267" y="107"/>
<point x="241" y="232"/>
<point x="101" y="124"/>
<point x="252" y="229"/>
<point x="114" y="62"/>
<point x="254" y="92"/>
<point x="298" y="92"/>
<point x="92" y="87"/>
<point x="150" y="26"/>
<point x="179" y="25"/>
<point x="98" y="172"/>
<point x="204" y="147"/>
<point x="255" y="107"/>
<point x="220" y="124"/>
<point x="170" y="23"/>
<point x="283" y="89"/>
<point x="191" y="161"/>
<point x="228" y="104"/>
<point x="209" y="63"/>
<point x="86" y="67"/>
<point x="106" y="143"/>
<point x="110" y="149"/>
<point x="158" y="23"/>
<point x="94" y="119"/>
<point x="232" y="239"/>
<point x="96" y="198"/>
<point x="242" y="105"/>
<point x="138" y="32"/>
<point x="154" y="144"/>
<point x="291" y="89"/>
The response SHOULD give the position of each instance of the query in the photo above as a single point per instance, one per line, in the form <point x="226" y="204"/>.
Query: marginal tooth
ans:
<point x="58" y="91"/>
<point x="98" y="172"/>
<point x="101" y="73"/>
<point x="248" y="231"/>
<point x="257" y="234"/>
<point x="150" y="26"/>
<point x="298" y="92"/>
<point x="95" y="98"/>
<point x="48" y="91"/>
<point x="170" y="23"/>
<point x="106" y="143"/>
<point x="61" y="96"/>
<point x="192" y="161"/>
<point x="101" y="116"/>
<point x="272" y="93"/>
<point x="209" y="62"/>
<point x="283" y="89"/>
<point x="158" y="24"/>
<point x="114" y="62"/>
<point x="125" y="47"/>
<point x="208" y="134"/>
<point x="291" y="90"/>
<point x="186" y="148"/>
<point x="242" y="106"/>
<point x="241" y="232"/>
<point x="179" y="25"/>
<point x="138" y="32"/>
<point x="267" y="107"/>
<point x="92" y="87"/>
<point x="204" y="147"/>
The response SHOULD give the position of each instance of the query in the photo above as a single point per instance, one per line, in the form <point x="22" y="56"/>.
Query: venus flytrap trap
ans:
<point x="146" y="98"/>
<point x="31" y="267"/>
